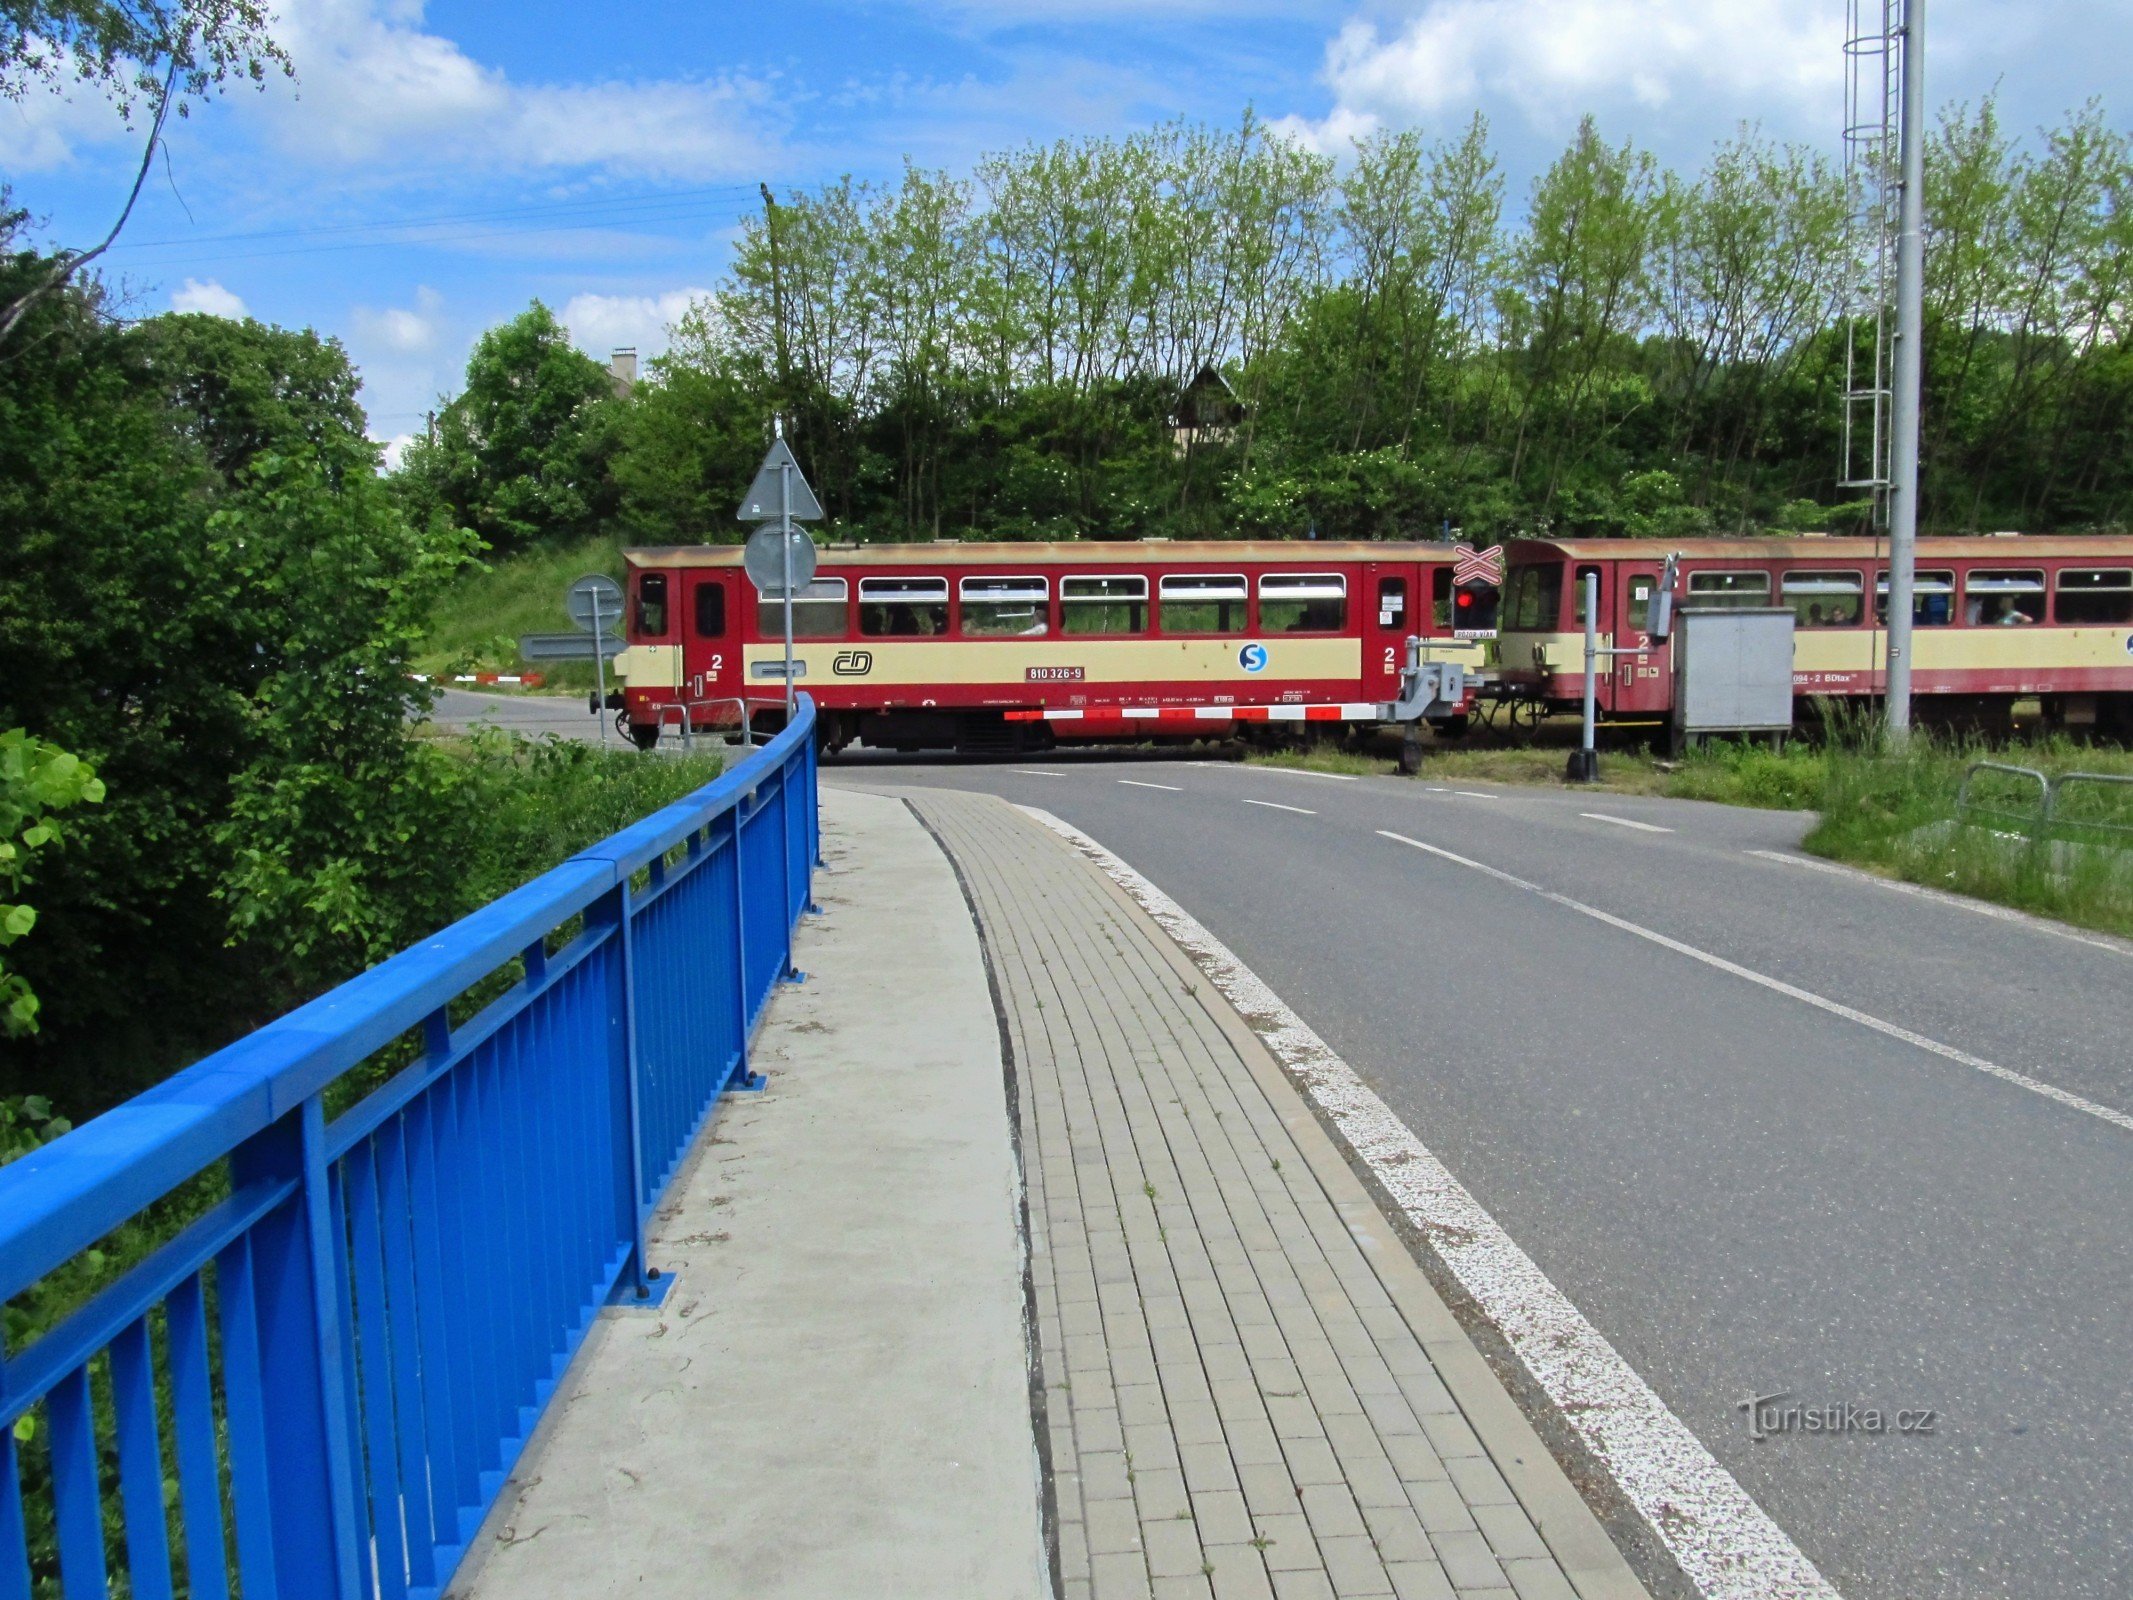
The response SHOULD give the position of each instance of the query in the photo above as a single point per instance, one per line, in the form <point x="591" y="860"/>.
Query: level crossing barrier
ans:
<point x="316" y="1388"/>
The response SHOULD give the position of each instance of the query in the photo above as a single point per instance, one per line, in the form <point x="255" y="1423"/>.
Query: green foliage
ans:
<point x="1639" y="353"/>
<point x="212" y="598"/>
<point x="523" y="454"/>
<point x="478" y="619"/>
<point x="36" y="780"/>
<point x="125" y="48"/>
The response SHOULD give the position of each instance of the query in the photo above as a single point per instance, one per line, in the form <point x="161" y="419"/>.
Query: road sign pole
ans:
<point x="1585" y="765"/>
<point x="600" y="673"/>
<point x="785" y="545"/>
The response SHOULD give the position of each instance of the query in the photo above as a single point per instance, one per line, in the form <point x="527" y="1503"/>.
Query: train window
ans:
<point x="1303" y="602"/>
<point x="711" y="611"/>
<point x="1640" y="601"/>
<point x="1440" y="597"/>
<point x="1729" y="590"/>
<point x="1577" y="594"/>
<point x="903" y="608"/>
<point x="1392" y="600"/>
<point x="1537" y="599"/>
<point x="1014" y="608"/>
<point x="817" y="612"/>
<point x="1203" y="602"/>
<point x="1825" y="599"/>
<point x="1932" y="600"/>
<point x="1103" y="605"/>
<point x="652" y="605"/>
<point x="2001" y="598"/>
<point x="2102" y="595"/>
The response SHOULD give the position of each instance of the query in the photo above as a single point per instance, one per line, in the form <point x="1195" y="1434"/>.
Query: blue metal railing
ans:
<point x="334" y="1367"/>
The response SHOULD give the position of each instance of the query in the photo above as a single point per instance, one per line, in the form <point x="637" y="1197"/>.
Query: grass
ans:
<point x="1889" y="811"/>
<point x="1730" y="774"/>
<point x="477" y="625"/>
<point x="1892" y="811"/>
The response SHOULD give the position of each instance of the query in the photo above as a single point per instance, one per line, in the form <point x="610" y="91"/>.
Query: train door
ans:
<point x="1640" y="685"/>
<point x="1392" y="611"/>
<point x="711" y="656"/>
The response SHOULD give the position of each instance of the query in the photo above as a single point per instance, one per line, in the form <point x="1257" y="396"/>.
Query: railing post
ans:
<point x="741" y="1072"/>
<point x="311" y="1468"/>
<point x="613" y="911"/>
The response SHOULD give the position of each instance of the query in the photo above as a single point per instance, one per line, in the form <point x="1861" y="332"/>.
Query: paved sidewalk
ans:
<point x="835" y="1401"/>
<point x="1250" y="1389"/>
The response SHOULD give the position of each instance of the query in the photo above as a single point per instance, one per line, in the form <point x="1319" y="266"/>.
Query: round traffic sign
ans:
<point x="765" y="558"/>
<point x="594" y="596"/>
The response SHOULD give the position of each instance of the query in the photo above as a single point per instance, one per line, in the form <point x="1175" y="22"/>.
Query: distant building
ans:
<point x="1207" y="412"/>
<point x="622" y="371"/>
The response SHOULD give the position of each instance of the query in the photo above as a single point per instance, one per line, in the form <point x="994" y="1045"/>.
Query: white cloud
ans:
<point x="395" y="448"/>
<point x="209" y="297"/>
<point x="601" y="323"/>
<point x="376" y="90"/>
<point x="1554" y="59"/>
<point x="403" y="331"/>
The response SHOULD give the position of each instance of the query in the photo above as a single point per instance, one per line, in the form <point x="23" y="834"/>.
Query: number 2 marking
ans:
<point x="1388" y="658"/>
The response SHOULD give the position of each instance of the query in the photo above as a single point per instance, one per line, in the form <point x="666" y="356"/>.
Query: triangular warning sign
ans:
<point x="760" y="504"/>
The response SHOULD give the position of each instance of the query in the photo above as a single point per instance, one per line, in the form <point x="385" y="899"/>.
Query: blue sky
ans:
<point x="436" y="166"/>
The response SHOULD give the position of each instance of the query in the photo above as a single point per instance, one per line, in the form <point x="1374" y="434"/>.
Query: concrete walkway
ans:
<point x="836" y="1398"/>
<point x="1250" y="1389"/>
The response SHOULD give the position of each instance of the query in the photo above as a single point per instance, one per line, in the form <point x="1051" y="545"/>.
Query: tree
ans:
<point x="523" y="455"/>
<point x="36" y="780"/>
<point x="212" y="598"/>
<point x="149" y="58"/>
<point x="690" y="436"/>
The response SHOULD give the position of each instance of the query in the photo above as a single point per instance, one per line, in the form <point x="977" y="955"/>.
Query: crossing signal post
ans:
<point x="1477" y="590"/>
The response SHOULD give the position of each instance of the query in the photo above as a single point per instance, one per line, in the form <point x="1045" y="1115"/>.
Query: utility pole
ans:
<point x="777" y="295"/>
<point x="1910" y="353"/>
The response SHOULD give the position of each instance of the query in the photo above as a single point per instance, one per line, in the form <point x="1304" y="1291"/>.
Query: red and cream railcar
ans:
<point x="1015" y="645"/>
<point x="1995" y="619"/>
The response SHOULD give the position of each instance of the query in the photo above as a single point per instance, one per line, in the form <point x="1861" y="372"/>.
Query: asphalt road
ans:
<point x="1745" y="1191"/>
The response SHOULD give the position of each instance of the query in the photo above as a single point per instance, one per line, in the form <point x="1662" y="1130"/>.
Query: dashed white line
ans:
<point x="1276" y="805"/>
<point x="1836" y="1008"/>
<point x="1625" y="822"/>
<point x="1475" y="794"/>
<point x="1436" y="788"/>
<point x="1725" y="1542"/>
<point x="1135" y="783"/>
<point x="1984" y="908"/>
<point x="1036" y="772"/>
<point x="1306" y="772"/>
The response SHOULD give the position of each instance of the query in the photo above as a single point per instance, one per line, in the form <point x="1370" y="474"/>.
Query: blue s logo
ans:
<point x="1252" y="658"/>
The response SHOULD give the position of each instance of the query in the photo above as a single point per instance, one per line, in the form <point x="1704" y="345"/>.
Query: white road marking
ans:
<point x="1472" y="794"/>
<point x="1036" y="772"/>
<point x="2021" y="1080"/>
<point x="1306" y="772"/>
<point x="1713" y="1528"/>
<point x="1135" y="783"/>
<point x="1625" y="822"/>
<point x="1276" y="805"/>
<point x="1436" y="788"/>
<point x="1984" y="908"/>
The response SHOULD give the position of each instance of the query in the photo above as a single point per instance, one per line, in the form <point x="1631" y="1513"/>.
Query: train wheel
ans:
<point x="645" y="735"/>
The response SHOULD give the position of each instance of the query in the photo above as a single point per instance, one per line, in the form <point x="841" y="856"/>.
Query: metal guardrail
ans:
<point x="743" y="728"/>
<point x="1970" y="812"/>
<point x="349" y="1351"/>
<point x="2047" y="820"/>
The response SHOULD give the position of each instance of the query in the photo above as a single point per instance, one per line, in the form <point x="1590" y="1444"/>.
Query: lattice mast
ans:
<point x="1884" y="97"/>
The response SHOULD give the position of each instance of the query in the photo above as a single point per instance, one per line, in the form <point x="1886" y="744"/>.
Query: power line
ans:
<point x="641" y="208"/>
